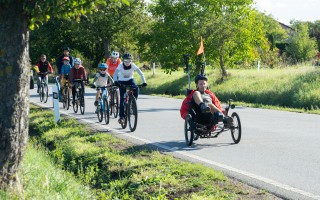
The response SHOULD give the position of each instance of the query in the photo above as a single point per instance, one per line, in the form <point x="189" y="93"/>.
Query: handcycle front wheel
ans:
<point x="235" y="128"/>
<point x="189" y="130"/>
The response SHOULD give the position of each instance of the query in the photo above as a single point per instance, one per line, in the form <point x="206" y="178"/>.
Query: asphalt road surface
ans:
<point x="279" y="151"/>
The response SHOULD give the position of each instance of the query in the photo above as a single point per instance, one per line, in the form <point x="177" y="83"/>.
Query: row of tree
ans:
<point x="235" y="35"/>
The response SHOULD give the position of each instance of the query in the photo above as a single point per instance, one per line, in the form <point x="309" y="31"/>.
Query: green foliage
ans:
<point x="301" y="47"/>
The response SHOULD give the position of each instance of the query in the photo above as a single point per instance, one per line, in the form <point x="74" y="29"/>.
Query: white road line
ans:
<point x="174" y="150"/>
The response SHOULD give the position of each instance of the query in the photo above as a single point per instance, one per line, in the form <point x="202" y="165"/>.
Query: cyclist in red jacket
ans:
<point x="204" y="102"/>
<point x="77" y="72"/>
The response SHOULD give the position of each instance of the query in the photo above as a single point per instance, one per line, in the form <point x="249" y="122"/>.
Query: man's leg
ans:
<point x="199" y="101"/>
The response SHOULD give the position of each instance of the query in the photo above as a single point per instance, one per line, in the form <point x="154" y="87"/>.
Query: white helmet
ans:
<point x="115" y="54"/>
<point x="77" y="61"/>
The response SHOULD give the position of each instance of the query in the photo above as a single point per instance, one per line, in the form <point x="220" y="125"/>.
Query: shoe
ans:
<point x="97" y="110"/>
<point x="38" y="90"/>
<point x="204" y="108"/>
<point x="120" y="120"/>
<point x="96" y="103"/>
<point x="228" y="122"/>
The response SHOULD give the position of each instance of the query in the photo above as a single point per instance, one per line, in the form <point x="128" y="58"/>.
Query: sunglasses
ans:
<point x="127" y="61"/>
<point x="102" y="69"/>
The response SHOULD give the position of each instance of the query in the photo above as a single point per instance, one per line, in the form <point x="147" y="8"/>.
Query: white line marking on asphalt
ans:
<point x="174" y="150"/>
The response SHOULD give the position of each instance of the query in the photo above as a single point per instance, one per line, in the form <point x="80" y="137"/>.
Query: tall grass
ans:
<point x="39" y="178"/>
<point x="293" y="87"/>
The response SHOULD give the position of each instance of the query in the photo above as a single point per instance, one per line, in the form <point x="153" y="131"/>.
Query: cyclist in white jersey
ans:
<point x="124" y="76"/>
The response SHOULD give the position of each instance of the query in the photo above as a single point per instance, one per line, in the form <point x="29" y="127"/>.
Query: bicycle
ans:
<point x="114" y="101"/>
<point x="66" y="93"/>
<point x="78" y="101"/>
<point x="130" y="108"/>
<point x="43" y="90"/>
<point x="103" y="105"/>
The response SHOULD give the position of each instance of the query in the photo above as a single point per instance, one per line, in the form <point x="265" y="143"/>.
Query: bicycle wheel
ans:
<point x="115" y="103"/>
<point x="189" y="130"/>
<point x="106" y="111"/>
<point x="111" y="103"/>
<point x="41" y="93"/>
<point x="75" y="102"/>
<point x="68" y="99"/>
<point x="132" y="113"/>
<point x="236" y="128"/>
<point x="81" y="102"/>
<point x="100" y="112"/>
<point x="125" y="119"/>
<point x="46" y="93"/>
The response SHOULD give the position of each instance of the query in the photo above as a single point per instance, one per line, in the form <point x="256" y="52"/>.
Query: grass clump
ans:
<point x="116" y="169"/>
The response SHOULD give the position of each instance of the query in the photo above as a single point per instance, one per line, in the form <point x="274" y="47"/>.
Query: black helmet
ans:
<point x="66" y="48"/>
<point x="127" y="56"/>
<point x="200" y="77"/>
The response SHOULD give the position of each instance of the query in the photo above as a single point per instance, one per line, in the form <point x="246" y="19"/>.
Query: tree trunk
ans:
<point x="223" y="69"/>
<point x="14" y="89"/>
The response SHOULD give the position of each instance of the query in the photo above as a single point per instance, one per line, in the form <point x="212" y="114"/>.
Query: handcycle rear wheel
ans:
<point x="236" y="128"/>
<point x="132" y="114"/>
<point x="189" y="130"/>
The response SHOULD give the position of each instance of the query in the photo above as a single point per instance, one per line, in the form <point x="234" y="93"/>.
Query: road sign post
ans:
<point x="55" y="99"/>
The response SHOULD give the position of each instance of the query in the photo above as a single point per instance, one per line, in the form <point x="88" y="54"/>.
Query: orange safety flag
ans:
<point x="201" y="48"/>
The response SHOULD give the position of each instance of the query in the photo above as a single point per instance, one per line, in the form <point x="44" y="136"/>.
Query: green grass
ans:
<point x="111" y="167"/>
<point x="39" y="178"/>
<point x="291" y="88"/>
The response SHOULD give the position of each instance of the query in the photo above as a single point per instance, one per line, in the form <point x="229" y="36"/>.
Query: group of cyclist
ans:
<point x="113" y="72"/>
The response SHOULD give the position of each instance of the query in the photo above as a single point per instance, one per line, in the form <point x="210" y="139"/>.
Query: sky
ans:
<point x="286" y="10"/>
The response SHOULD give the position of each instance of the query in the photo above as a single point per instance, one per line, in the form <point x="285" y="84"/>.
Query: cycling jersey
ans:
<point x="101" y="80"/>
<point x="112" y="66"/>
<point x="78" y="73"/>
<point x="44" y="67"/>
<point x="122" y="74"/>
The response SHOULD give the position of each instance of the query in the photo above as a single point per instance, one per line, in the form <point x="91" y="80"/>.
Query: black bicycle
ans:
<point x="114" y="101"/>
<point x="43" y="90"/>
<point x="130" y="107"/>
<point x="66" y="94"/>
<point x="78" y="101"/>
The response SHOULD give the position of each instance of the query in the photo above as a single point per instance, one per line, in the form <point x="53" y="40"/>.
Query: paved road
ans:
<point x="279" y="151"/>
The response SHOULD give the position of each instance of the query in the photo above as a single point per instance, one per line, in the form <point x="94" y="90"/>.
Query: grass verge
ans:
<point x="294" y="89"/>
<point x="112" y="168"/>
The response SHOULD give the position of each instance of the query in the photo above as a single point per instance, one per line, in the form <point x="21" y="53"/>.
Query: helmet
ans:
<point x="200" y="77"/>
<point x="77" y="61"/>
<point x="103" y="66"/>
<point x="127" y="56"/>
<point x="115" y="54"/>
<point x="66" y="58"/>
<point x="66" y="49"/>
